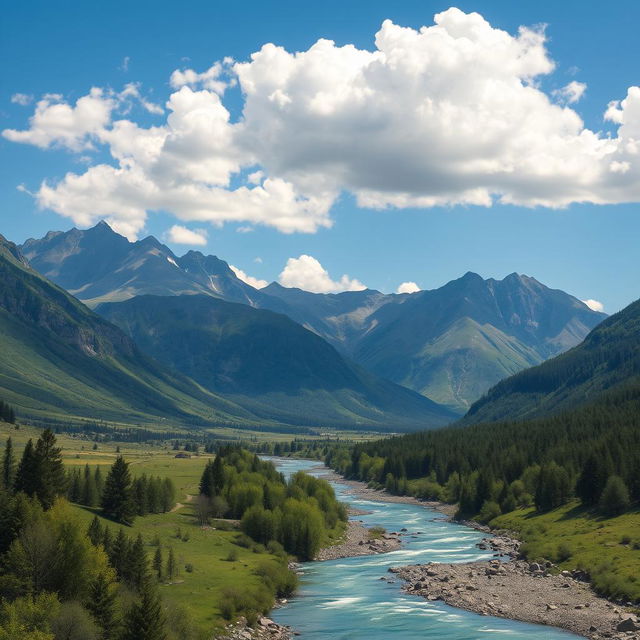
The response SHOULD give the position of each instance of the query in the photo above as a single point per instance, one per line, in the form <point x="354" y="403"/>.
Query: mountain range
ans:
<point x="261" y="369"/>
<point x="449" y="344"/>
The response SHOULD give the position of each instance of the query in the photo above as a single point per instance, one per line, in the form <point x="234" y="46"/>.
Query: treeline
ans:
<point x="592" y="453"/>
<point x="7" y="413"/>
<point x="146" y="494"/>
<point x="58" y="580"/>
<point x="299" y="514"/>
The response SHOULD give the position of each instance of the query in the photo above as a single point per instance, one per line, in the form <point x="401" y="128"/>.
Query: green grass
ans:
<point x="205" y="549"/>
<point x="574" y="537"/>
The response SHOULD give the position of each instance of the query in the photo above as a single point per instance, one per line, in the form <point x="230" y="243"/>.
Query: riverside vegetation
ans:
<point x="123" y="561"/>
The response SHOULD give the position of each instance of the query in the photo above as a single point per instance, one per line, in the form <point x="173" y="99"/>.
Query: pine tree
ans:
<point x="95" y="532"/>
<point x="99" y="484"/>
<point x="172" y="566"/>
<point x="157" y="563"/>
<point x="8" y="466"/>
<point x="27" y="473"/>
<point x="217" y="472"/>
<point x="51" y="480"/>
<point x="107" y="541"/>
<point x="145" y="620"/>
<point x="89" y="493"/>
<point x="138" y="568"/>
<point x="101" y="604"/>
<point x="117" y="500"/>
<point x="119" y="555"/>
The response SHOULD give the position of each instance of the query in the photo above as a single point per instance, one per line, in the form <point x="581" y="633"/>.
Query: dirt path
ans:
<point x="179" y="505"/>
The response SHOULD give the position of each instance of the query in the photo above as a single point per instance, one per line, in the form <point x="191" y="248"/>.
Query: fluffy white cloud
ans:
<point x="408" y="287"/>
<point x="183" y="235"/>
<point x="448" y="114"/>
<point x="572" y="92"/>
<point x="254" y="282"/>
<point x="594" y="305"/>
<point x="307" y="273"/>
<point x="21" y="98"/>
<point x="56" y="122"/>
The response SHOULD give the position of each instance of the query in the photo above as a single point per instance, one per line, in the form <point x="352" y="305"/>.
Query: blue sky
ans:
<point x="587" y="249"/>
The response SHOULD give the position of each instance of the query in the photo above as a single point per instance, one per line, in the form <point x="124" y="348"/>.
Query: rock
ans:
<point x="551" y="607"/>
<point x="534" y="566"/>
<point x="628" y="625"/>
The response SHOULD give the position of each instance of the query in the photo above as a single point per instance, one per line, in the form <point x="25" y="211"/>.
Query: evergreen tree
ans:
<point x="593" y="478"/>
<point x="27" y="473"/>
<point x="138" y="568"/>
<point x="119" y="555"/>
<point x="99" y="484"/>
<point x="101" y="604"/>
<point x="8" y="466"/>
<point x="95" y="532"/>
<point x="157" y="563"/>
<point x="89" y="493"/>
<point x="615" y="497"/>
<point x="51" y="480"/>
<point x="145" y="619"/>
<point x="107" y="542"/>
<point x="172" y="566"/>
<point x="117" y="500"/>
<point x="217" y="475"/>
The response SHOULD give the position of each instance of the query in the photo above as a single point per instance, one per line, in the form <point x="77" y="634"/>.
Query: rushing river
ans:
<point x="346" y="599"/>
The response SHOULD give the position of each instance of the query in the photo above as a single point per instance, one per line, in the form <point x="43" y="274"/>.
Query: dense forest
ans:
<point x="299" y="514"/>
<point x="592" y="453"/>
<point x="7" y="412"/>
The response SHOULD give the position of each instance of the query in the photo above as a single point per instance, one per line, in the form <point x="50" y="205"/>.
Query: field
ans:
<point x="206" y="550"/>
<point x="573" y="537"/>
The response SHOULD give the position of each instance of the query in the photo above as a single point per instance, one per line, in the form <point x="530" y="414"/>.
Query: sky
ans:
<point x="335" y="145"/>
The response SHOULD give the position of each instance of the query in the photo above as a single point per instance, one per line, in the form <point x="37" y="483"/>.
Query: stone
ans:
<point x="628" y="625"/>
<point x="534" y="566"/>
<point x="551" y="607"/>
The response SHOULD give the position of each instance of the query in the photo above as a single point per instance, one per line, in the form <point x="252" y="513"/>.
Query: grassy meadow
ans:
<point x="206" y="550"/>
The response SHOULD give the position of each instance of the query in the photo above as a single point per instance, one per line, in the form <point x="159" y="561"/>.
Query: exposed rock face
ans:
<point x="521" y="591"/>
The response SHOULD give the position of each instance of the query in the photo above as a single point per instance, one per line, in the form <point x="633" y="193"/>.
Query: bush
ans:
<point x="243" y="540"/>
<point x="377" y="532"/>
<point x="489" y="511"/>
<point x="247" y="602"/>
<point x="563" y="552"/>
<point x="232" y="556"/>
<point x="278" y="578"/>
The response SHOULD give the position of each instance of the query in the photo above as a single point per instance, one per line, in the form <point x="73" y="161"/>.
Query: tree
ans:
<point x="117" y="500"/>
<point x="145" y="619"/>
<point x="615" y="497"/>
<point x="138" y="567"/>
<point x="593" y="478"/>
<point x="95" y="532"/>
<point x="554" y="487"/>
<point x="119" y="555"/>
<point x="157" y="563"/>
<point x="8" y="466"/>
<point x="172" y="566"/>
<point x="27" y="473"/>
<point x="51" y="479"/>
<point x="89" y="494"/>
<point x="101" y="603"/>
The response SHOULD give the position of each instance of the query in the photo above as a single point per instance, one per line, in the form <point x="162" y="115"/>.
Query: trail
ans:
<point x="179" y="505"/>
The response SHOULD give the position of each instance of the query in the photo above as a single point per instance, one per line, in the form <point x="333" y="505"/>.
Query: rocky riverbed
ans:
<point x="360" y="542"/>
<point x="522" y="591"/>
<point x="264" y="629"/>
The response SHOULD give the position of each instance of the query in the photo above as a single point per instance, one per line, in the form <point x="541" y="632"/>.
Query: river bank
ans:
<point x="521" y="591"/>
<point x="515" y="590"/>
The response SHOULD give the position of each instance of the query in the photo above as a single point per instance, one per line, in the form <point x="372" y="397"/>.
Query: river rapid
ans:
<point x="346" y="599"/>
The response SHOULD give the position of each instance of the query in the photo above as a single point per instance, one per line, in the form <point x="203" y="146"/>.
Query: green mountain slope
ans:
<point x="454" y="343"/>
<point x="269" y="364"/>
<point x="607" y="361"/>
<point x="59" y="359"/>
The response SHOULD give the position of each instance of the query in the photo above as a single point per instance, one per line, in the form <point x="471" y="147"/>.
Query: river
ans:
<point x="346" y="599"/>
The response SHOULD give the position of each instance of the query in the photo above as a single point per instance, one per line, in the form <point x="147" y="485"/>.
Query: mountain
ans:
<point x="605" y="365"/>
<point x="99" y="265"/>
<point x="268" y="363"/>
<point x="61" y="359"/>
<point x="453" y="343"/>
<point x="450" y="344"/>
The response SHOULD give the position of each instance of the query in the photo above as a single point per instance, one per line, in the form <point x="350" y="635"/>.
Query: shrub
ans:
<point x="377" y="532"/>
<point x="615" y="497"/>
<point x="489" y="511"/>
<point x="232" y="556"/>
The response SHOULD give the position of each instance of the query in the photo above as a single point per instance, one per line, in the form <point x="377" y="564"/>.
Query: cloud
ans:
<point x="408" y="287"/>
<point x="594" y="305"/>
<point x="254" y="282"/>
<point x="182" y="235"/>
<point x="571" y="93"/>
<point x="21" y="98"/>
<point x="307" y="273"/>
<point x="56" y="123"/>
<point x="125" y="64"/>
<point x="449" y="114"/>
<point x="132" y="91"/>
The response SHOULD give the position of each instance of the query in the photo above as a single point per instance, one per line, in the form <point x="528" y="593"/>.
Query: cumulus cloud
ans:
<point x="408" y="287"/>
<point x="22" y="99"/>
<point x="451" y="113"/>
<point x="572" y="92"/>
<point x="183" y="235"/>
<point x="307" y="273"/>
<point x="254" y="282"/>
<point x="594" y="305"/>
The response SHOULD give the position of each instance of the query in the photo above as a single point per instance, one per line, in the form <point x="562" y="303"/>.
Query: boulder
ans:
<point x="628" y="625"/>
